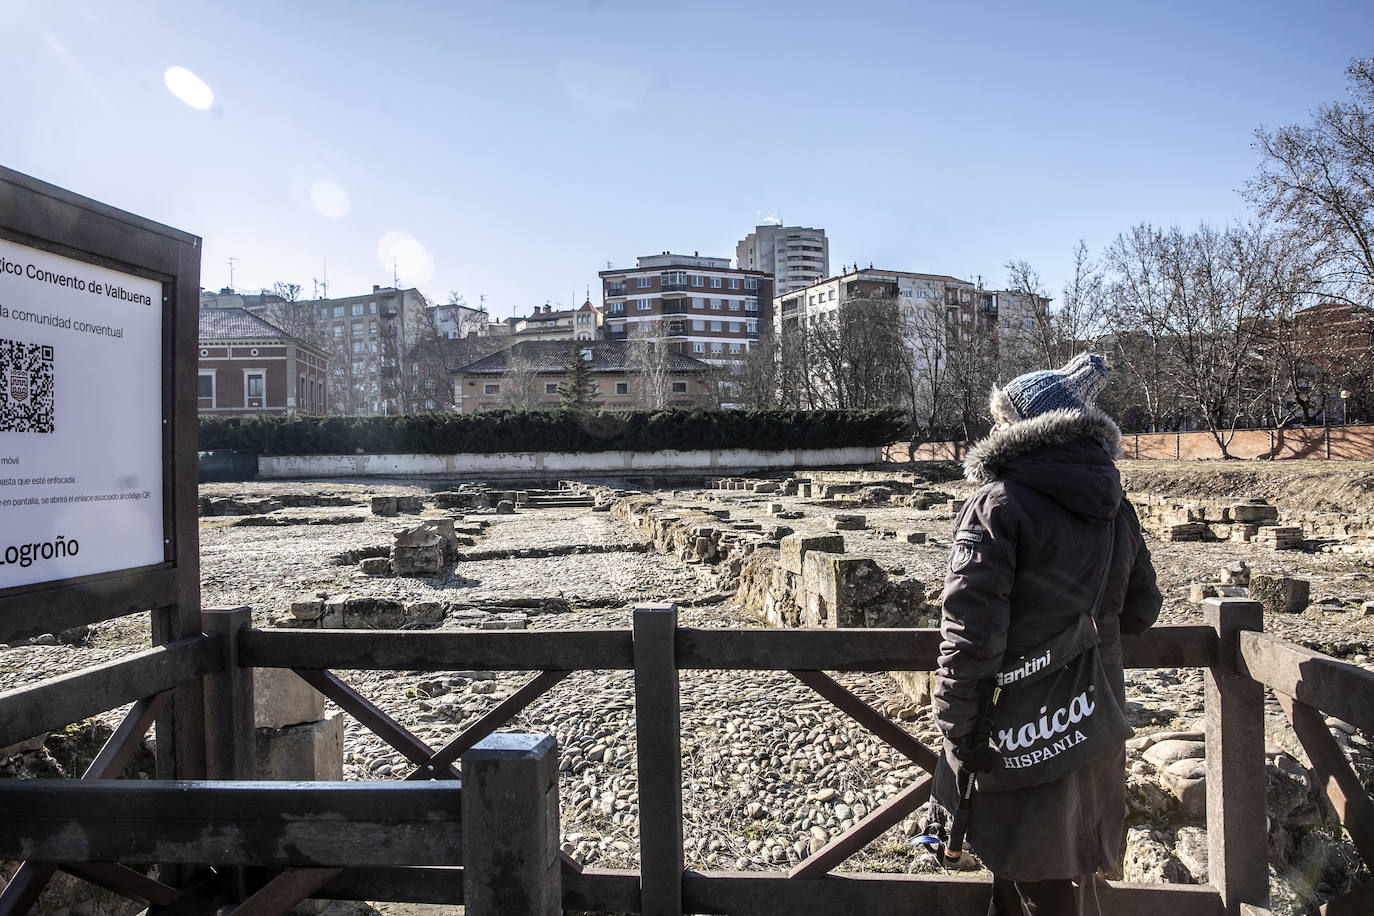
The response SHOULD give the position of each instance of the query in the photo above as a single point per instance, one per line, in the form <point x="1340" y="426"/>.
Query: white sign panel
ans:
<point x="80" y="418"/>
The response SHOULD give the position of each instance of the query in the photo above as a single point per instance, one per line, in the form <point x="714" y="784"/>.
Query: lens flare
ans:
<point x="189" y="88"/>
<point x="411" y="261"/>
<point x="329" y="199"/>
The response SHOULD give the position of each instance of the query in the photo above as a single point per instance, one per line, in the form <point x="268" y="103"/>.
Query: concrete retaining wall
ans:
<point x="517" y="464"/>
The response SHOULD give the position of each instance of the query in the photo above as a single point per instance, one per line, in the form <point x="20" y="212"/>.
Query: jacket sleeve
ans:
<point x="1143" y="600"/>
<point x="977" y="608"/>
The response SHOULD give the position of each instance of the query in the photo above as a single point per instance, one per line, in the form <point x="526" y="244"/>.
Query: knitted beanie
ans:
<point x="1071" y="388"/>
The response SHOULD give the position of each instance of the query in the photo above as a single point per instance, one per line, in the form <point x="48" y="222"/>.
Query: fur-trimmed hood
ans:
<point x="1066" y="454"/>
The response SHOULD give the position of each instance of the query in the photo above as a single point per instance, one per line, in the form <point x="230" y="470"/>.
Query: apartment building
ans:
<point x="366" y="337"/>
<point x="698" y="306"/>
<point x="546" y="323"/>
<point x="529" y="373"/>
<point x="250" y="366"/>
<point x="796" y="256"/>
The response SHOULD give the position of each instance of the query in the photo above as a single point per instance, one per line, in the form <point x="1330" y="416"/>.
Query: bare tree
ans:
<point x="756" y="376"/>
<point x="857" y="354"/>
<point x="926" y="366"/>
<point x="1318" y="181"/>
<point x="649" y="356"/>
<point x="1077" y="322"/>
<point x="520" y="381"/>
<point x="1138" y="308"/>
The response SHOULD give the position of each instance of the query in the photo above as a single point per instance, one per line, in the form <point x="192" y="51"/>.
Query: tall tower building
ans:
<point x="796" y="256"/>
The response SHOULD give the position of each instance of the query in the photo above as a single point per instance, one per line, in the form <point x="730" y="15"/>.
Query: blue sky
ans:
<point x="512" y="149"/>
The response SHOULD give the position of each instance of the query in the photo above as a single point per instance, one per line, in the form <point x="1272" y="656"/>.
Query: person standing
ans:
<point x="1030" y="556"/>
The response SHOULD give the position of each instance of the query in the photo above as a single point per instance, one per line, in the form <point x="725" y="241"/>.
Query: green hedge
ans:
<point x="553" y="431"/>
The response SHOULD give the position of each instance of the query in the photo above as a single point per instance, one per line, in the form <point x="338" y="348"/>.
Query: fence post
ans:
<point x="658" y="733"/>
<point x="230" y="741"/>
<point x="510" y="827"/>
<point x="1237" y="833"/>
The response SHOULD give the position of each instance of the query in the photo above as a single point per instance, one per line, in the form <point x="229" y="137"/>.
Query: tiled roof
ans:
<point x="237" y="324"/>
<point x="552" y="356"/>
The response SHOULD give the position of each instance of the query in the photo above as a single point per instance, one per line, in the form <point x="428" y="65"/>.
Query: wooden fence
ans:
<point x="490" y="841"/>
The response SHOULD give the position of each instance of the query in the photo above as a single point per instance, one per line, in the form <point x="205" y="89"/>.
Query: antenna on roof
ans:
<point x="231" y="272"/>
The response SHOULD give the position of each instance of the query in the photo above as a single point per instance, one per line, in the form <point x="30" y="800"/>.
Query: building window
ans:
<point x="679" y="387"/>
<point x="372" y="346"/>
<point x="698" y="347"/>
<point x="357" y="346"/>
<point x="491" y="389"/>
<point x="698" y="324"/>
<point x="644" y="282"/>
<point x="551" y="388"/>
<point x="357" y="329"/>
<point x="356" y="309"/>
<point x="622" y="387"/>
<point x="338" y="330"/>
<point x="715" y="283"/>
<point x="644" y="304"/>
<point x="734" y="282"/>
<point x="734" y="348"/>
<point x="205" y="387"/>
<point x="734" y="327"/>
<point x="358" y="367"/>
<point x="717" y="347"/>
<point x="372" y="308"/>
<point x="698" y="281"/>
<point x="751" y="282"/>
<point x="716" y="303"/>
<point x="752" y="327"/>
<point x="732" y="305"/>
<point x="832" y="295"/>
<point x="715" y="325"/>
<point x="254" y="383"/>
<point x="338" y="311"/>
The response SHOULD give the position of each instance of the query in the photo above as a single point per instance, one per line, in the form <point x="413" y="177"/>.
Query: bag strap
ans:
<point x="1106" y="571"/>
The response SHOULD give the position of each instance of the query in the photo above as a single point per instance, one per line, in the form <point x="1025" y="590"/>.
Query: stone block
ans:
<point x="419" y="536"/>
<point x="307" y="607"/>
<point x="774" y="508"/>
<point x="1186" y="780"/>
<point x="848" y="523"/>
<point x="374" y="614"/>
<point x="1243" y="533"/>
<point x="313" y="751"/>
<point x="766" y="486"/>
<point x="793" y="549"/>
<point x="410" y="504"/>
<point x="1367" y="609"/>
<point x="1237" y="573"/>
<point x="844" y="583"/>
<point x="281" y="698"/>
<point x="384" y="505"/>
<point x="1200" y="591"/>
<point x="955" y="506"/>
<point x="505" y="507"/>
<point x="911" y="537"/>
<point x="425" y="613"/>
<point x="417" y="561"/>
<point x="1253" y="512"/>
<point x="375" y="566"/>
<point x="333" y="618"/>
<point x="1281" y="594"/>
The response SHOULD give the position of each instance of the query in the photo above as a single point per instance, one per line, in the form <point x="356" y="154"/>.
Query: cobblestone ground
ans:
<point x="771" y="772"/>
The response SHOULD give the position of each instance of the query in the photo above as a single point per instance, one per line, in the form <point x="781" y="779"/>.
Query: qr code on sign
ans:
<point x="25" y="387"/>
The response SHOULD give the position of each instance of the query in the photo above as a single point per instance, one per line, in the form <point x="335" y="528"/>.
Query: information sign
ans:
<point x="81" y="425"/>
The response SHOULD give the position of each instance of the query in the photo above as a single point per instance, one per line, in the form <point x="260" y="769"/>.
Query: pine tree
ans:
<point x="580" y="389"/>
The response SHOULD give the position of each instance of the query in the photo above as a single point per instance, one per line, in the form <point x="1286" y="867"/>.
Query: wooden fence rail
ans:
<point x="1239" y="661"/>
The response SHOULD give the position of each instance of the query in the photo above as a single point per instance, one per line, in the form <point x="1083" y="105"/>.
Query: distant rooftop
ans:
<point x="552" y="356"/>
<point x="237" y="324"/>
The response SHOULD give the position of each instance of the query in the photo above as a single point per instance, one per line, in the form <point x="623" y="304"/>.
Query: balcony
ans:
<point x="388" y="311"/>
<point x="673" y="287"/>
<point x="616" y="333"/>
<point x="752" y="335"/>
<point x="615" y="289"/>
<point x="678" y="307"/>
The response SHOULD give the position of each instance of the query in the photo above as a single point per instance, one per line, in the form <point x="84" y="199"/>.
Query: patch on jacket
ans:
<point x="965" y="542"/>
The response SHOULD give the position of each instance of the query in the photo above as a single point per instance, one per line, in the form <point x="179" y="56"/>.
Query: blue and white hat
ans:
<point x="1071" y="388"/>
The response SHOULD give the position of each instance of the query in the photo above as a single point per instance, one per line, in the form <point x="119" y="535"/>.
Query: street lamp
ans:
<point x="1345" y="395"/>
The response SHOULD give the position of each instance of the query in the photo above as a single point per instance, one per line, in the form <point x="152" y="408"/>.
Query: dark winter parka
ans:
<point x="1027" y="558"/>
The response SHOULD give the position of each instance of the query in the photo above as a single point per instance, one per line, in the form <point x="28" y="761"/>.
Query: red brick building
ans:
<point x="248" y="366"/>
